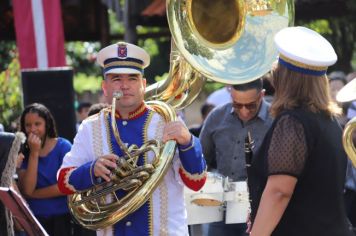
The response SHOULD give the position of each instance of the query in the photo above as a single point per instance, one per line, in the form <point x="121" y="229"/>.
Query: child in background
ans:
<point x="44" y="152"/>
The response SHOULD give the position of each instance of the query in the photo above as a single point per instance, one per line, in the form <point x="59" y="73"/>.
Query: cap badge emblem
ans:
<point x="122" y="50"/>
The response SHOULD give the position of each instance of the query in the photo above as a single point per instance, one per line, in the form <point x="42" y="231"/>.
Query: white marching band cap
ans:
<point x="304" y="50"/>
<point x="348" y="92"/>
<point x="123" y="58"/>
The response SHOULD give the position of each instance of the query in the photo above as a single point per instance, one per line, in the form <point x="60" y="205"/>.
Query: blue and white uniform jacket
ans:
<point x="164" y="212"/>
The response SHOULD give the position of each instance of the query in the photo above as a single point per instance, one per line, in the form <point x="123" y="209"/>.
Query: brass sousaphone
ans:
<point x="227" y="41"/>
<point x="347" y="94"/>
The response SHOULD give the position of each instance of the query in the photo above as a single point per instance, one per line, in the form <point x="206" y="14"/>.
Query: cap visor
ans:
<point x="348" y="92"/>
<point x="123" y="71"/>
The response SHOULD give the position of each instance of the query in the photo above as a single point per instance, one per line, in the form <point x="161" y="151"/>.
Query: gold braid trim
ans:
<point x="150" y="216"/>
<point x="97" y="142"/>
<point x="302" y="65"/>
<point x="134" y="114"/>
<point x="66" y="179"/>
<point x="138" y="112"/>
<point x="124" y="63"/>
<point x="106" y="115"/>
<point x="188" y="148"/>
<point x="97" y="138"/>
<point x="149" y="202"/>
<point x="163" y="191"/>
<point x="193" y="177"/>
<point x="164" y="209"/>
<point x="99" y="152"/>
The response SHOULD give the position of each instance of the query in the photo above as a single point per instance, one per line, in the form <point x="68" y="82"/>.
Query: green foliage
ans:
<point x="159" y="50"/>
<point x="321" y="26"/>
<point x="161" y="77"/>
<point x="10" y="93"/>
<point x="211" y="86"/>
<point x="83" y="82"/>
<point x="7" y="52"/>
<point x="151" y="46"/>
<point x="116" y="27"/>
<point x="81" y="56"/>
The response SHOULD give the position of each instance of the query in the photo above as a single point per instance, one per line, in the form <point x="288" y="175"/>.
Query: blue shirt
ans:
<point x="47" y="176"/>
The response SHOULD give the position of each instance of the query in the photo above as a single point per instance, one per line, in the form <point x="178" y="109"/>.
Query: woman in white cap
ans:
<point x="298" y="177"/>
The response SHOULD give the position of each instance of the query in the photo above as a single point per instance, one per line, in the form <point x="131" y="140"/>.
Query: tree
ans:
<point x="10" y="94"/>
<point x="343" y="39"/>
<point x="7" y="52"/>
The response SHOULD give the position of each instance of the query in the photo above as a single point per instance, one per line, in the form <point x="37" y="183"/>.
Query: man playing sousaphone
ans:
<point x="96" y="150"/>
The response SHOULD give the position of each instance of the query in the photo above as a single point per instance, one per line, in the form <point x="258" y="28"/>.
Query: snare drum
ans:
<point x="237" y="203"/>
<point x="206" y="205"/>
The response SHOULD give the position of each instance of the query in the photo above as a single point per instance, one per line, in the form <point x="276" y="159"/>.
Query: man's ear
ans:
<point x="103" y="87"/>
<point x="263" y="92"/>
<point x="144" y="82"/>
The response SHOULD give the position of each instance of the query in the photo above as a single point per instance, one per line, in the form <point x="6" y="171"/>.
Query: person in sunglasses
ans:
<point x="223" y="134"/>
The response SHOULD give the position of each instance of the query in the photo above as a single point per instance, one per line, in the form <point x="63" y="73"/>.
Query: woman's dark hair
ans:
<point x="43" y="112"/>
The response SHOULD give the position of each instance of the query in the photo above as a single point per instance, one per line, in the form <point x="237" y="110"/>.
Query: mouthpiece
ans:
<point x="117" y="94"/>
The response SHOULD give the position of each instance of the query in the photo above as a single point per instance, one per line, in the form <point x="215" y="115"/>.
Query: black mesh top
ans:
<point x="288" y="148"/>
<point x="308" y="146"/>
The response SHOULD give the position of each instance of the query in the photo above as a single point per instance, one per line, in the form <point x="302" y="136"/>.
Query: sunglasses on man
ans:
<point x="249" y="106"/>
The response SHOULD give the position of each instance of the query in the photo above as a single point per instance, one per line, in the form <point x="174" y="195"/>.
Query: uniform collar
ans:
<point x="140" y="111"/>
<point x="264" y="110"/>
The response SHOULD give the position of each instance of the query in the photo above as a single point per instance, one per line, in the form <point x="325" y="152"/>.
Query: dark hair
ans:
<point x="43" y="112"/>
<point x="83" y="105"/>
<point x="267" y="86"/>
<point x="256" y="84"/>
<point x="96" y="108"/>
<point x="206" y="109"/>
